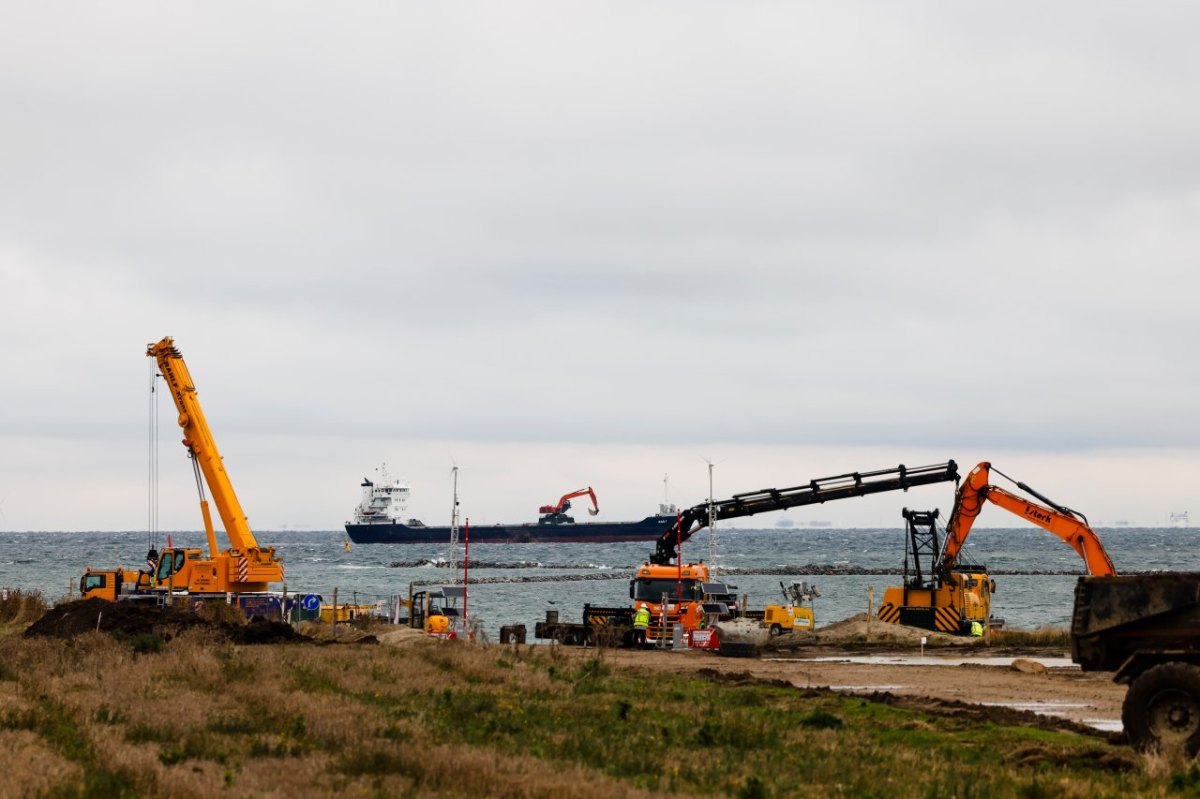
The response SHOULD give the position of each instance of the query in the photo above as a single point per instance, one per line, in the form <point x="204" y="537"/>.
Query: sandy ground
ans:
<point x="943" y="678"/>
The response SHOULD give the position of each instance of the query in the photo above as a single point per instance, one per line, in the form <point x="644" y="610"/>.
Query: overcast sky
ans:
<point x="566" y="244"/>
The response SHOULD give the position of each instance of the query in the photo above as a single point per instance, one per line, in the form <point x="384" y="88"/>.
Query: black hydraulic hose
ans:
<point x="1063" y="509"/>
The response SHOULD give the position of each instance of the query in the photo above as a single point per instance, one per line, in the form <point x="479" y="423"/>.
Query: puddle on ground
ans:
<point x="1055" y="709"/>
<point x="1107" y="725"/>
<point x="928" y="660"/>
<point x="1059" y="710"/>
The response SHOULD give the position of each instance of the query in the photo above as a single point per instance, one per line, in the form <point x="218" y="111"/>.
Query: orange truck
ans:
<point x="672" y="594"/>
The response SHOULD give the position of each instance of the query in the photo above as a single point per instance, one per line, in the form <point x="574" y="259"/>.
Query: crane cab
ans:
<point x="175" y="568"/>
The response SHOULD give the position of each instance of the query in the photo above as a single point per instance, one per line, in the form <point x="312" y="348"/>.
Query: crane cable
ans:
<point x="152" y="531"/>
<point x="199" y="477"/>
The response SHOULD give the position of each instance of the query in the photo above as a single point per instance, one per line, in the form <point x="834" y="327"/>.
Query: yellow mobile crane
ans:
<point x="244" y="567"/>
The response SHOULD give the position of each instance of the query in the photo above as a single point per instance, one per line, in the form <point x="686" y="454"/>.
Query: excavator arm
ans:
<point x="566" y="498"/>
<point x="825" y="489"/>
<point x="1063" y="522"/>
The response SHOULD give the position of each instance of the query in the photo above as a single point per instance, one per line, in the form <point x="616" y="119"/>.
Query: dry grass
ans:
<point x="20" y="608"/>
<point x="90" y="717"/>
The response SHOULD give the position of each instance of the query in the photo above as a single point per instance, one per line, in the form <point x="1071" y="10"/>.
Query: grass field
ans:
<point x="199" y="718"/>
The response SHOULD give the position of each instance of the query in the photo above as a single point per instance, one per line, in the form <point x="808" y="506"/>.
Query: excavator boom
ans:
<point x="825" y="489"/>
<point x="1057" y="519"/>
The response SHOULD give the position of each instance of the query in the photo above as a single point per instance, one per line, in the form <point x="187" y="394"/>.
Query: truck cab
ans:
<point x="683" y="588"/>
<point x="114" y="584"/>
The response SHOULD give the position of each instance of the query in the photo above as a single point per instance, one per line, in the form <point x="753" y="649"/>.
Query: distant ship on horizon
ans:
<point x="379" y="519"/>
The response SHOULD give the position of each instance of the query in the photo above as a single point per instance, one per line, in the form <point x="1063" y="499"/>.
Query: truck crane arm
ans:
<point x="566" y="498"/>
<point x="825" y="489"/>
<point x="202" y="448"/>
<point x="1069" y="525"/>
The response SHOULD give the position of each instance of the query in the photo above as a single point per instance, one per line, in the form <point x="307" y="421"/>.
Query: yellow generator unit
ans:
<point x="779" y="619"/>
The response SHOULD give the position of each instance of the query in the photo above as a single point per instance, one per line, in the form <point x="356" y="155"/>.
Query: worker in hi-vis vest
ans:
<point x="641" y="621"/>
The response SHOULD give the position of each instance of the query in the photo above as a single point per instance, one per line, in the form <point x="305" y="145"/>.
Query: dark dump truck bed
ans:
<point x="1145" y="629"/>
<point x="1120" y="623"/>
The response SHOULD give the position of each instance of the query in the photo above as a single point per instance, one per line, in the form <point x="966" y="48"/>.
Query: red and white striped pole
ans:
<point x="466" y="563"/>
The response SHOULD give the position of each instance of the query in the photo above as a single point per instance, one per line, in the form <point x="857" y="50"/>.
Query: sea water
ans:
<point x="317" y="562"/>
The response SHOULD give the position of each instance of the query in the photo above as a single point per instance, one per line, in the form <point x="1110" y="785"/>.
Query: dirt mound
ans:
<point x="131" y="620"/>
<point x="854" y="630"/>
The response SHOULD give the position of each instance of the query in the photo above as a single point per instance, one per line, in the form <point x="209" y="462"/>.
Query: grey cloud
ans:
<point x="798" y="225"/>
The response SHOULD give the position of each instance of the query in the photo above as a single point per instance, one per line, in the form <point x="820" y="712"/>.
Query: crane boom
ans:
<point x="1063" y="522"/>
<point x="198" y="439"/>
<point x="824" y="489"/>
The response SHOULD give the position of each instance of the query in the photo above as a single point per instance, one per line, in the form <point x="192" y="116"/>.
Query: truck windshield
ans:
<point x="646" y="590"/>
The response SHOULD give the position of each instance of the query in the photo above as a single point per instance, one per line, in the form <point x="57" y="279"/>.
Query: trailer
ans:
<point x="601" y="626"/>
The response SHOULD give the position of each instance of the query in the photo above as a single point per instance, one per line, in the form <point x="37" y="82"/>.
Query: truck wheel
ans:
<point x="1162" y="709"/>
<point x="776" y="631"/>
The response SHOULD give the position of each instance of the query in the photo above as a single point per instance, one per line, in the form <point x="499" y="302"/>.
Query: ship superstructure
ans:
<point x="384" y="500"/>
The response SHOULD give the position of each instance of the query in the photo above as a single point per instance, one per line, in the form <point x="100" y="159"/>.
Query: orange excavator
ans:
<point x="956" y="598"/>
<point x="557" y="514"/>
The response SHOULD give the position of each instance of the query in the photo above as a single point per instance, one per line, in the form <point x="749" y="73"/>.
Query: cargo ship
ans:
<point x="379" y="519"/>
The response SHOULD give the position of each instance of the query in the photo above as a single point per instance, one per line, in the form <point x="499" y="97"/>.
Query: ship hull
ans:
<point x="648" y="529"/>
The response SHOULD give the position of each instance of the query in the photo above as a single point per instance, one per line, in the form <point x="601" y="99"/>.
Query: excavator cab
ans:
<point x="433" y="609"/>
<point x="934" y="597"/>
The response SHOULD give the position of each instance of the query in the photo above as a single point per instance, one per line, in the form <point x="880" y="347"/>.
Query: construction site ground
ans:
<point x="950" y="674"/>
<point x="956" y="675"/>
